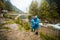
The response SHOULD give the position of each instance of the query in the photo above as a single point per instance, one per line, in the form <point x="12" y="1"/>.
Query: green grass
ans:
<point x="1" y="25"/>
<point x="10" y="22"/>
<point x="26" y="26"/>
<point x="20" y="27"/>
<point x="23" y="24"/>
<point x="46" y="37"/>
<point x="7" y="28"/>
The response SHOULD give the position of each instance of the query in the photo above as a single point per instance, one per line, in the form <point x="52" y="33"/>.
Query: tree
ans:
<point x="33" y="9"/>
<point x="2" y="5"/>
<point x="53" y="9"/>
<point x="5" y="4"/>
<point x="44" y="10"/>
<point x="8" y="5"/>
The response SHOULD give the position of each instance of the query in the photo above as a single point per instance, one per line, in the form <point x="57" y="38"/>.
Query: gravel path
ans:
<point x="22" y="35"/>
<point x="15" y="34"/>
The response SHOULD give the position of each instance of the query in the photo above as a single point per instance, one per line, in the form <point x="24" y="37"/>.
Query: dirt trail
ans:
<point x="15" y="34"/>
<point x="22" y="35"/>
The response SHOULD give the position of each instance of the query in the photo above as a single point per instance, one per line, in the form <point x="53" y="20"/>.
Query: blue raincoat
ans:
<point x="35" y="23"/>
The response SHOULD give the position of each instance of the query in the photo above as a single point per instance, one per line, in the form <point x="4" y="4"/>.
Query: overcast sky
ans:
<point x="22" y="4"/>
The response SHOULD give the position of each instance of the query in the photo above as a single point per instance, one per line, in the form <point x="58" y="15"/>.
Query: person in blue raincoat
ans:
<point x="35" y="24"/>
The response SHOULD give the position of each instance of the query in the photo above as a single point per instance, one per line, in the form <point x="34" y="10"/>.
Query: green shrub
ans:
<point x="46" y="37"/>
<point x="20" y="27"/>
<point x="7" y="28"/>
<point x="19" y="21"/>
<point x="23" y="24"/>
<point x="26" y="26"/>
<point x="1" y="25"/>
<point x="10" y="22"/>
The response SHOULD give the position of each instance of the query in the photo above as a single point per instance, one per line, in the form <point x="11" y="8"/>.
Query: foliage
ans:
<point x="20" y="27"/>
<point x="10" y="21"/>
<point x="26" y="26"/>
<point x="46" y="37"/>
<point x="22" y="24"/>
<point x="53" y="9"/>
<point x="8" y="5"/>
<point x="45" y="10"/>
<point x="29" y="17"/>
<point x="2" y="5"/>
<point x="5" y="15"/>
<point x="19" y="21"/>
<point x="7" y="28"/>
<point x="33" y="7"/>
<point x="3" y="27"/>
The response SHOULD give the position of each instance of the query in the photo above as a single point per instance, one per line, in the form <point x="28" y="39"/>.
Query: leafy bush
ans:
<point x="23" y="24"/>
<point x="20" y="27"/>
<point x="26" y="26"/>
<point x="19" y="21"/>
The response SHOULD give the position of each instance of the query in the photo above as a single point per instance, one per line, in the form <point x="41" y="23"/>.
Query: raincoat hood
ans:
<point x="36" y="16"/>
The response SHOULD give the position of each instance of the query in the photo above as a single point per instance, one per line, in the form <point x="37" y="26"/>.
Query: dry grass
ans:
<point x="48" y="34"/>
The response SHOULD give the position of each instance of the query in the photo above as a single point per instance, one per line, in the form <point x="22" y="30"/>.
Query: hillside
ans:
<point x="6" y="5"/>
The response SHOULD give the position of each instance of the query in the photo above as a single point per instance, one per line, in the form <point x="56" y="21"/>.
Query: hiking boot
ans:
<point x="36" y="33"/>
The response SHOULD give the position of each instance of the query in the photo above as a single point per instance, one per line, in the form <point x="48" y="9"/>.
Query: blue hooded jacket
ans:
<point x="35" y="23"/>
